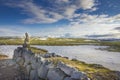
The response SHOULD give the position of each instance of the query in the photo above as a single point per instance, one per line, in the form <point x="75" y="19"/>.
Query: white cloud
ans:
<point x="39" y="15"/>
<point x="93" y="25"/>
<point x="69" y="12"/>
<point x="9" y="31"/>
<point x="96" y="19"/>
<point x="63" y="0"/>
<point x="61" y="9"/>
<point x="86" y="4"/>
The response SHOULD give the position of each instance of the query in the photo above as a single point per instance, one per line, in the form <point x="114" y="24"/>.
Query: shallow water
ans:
<point x="86" y="53"/>
<point x="89" y="54"/>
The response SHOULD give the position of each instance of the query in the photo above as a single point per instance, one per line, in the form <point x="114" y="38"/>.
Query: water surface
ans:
<point x="86" y="53"/>
<point x="89" y="54"/>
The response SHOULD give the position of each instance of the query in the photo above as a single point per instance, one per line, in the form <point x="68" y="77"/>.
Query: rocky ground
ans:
<point x="8" y="70"/>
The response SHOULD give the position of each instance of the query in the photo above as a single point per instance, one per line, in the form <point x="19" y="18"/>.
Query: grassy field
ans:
<point x="38" y="50"/>
<point x="11" y="41"/>
<point x="48" y="41"/>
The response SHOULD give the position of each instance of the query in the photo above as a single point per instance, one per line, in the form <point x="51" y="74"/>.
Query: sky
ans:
<point x="60" y="18"/>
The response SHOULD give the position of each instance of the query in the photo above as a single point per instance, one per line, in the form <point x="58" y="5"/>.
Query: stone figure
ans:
<point x="26" y="41"/>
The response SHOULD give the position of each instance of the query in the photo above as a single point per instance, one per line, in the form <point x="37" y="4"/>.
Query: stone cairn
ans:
<point x="38" y="68"/>
<point x="26" y="41"/>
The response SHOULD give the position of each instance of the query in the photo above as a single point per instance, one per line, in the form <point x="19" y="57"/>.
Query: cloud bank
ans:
<point x="55" y="10"/>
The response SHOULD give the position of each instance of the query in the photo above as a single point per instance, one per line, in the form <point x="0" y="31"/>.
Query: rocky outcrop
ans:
<point x="38" y="68"/>
<point x="49" y="55"/>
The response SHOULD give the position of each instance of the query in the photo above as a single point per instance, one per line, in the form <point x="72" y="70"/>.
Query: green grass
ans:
<point x="94" y="71"/>
<point x="60" y="41"/>
<point x="38" y="50"/>
<point x="49" y="41"/>
<point x="7" y="41"/>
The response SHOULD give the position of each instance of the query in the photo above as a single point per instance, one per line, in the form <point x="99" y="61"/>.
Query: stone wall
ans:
<point x="37" y="68"/>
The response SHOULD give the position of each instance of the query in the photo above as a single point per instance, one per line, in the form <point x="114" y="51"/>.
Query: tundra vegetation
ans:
<point x="48" y="41"/>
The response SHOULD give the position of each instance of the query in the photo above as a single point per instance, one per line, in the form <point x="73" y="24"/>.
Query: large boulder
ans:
<point x="68" y="78"/>
<point x="20" y="61"/>
<point x="67" y="69"/>
<point x="33" y="75"/>
<point x="43" y="70"/>
<point x="17" y="53"/>
<point x="79" y="76"/>
<point x="48" y="55"/>
<point x="28" y="69"/>
<point x="27" y="57"/>
<point x="55" y="74"/>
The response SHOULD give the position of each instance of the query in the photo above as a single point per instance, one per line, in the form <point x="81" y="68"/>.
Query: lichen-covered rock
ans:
<point x="48" y="55"/>
<point x="79" y="76"/>
<point x="27" y="57"/>
<point x="33" y="75"/>
<point x="42" y="71"/>
<point x="55" y="74"/>
<point x="67" y="69"/>
<point x="20" y="61"/>
<point x="68" y="78"/>
<point x="28" y="68"/>
<point x="17" y="53"/>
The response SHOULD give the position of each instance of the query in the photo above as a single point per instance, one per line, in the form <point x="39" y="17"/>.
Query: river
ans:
<point x="86" y="53"/>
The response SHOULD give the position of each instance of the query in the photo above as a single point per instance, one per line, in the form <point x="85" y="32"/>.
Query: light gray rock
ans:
<point x="33" y="75"/>
<point x="36" y="62"/>
<point x="17" y="53"/>
<point x="79" y="76"/>
<point x="51" y="65"/>
<point x="68" y="78"/>
<point x="67" y="69"/>
<point x="28" y="68"/>
<point x="55" y="74"/>
<point x="33" y="62"/>
<point x="41" y="59"/>
<point x="20" y="61"/>
<point x="42" y="72"/>
<point x="27" y="57"/>
<point x="48" y="55"/>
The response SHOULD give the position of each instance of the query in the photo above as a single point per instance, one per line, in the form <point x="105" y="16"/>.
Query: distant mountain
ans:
<point x="110" y="37"/>
<point x="10" y="37"/>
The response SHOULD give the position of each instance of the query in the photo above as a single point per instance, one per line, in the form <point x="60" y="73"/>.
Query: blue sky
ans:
<point x="60" y="18"/>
